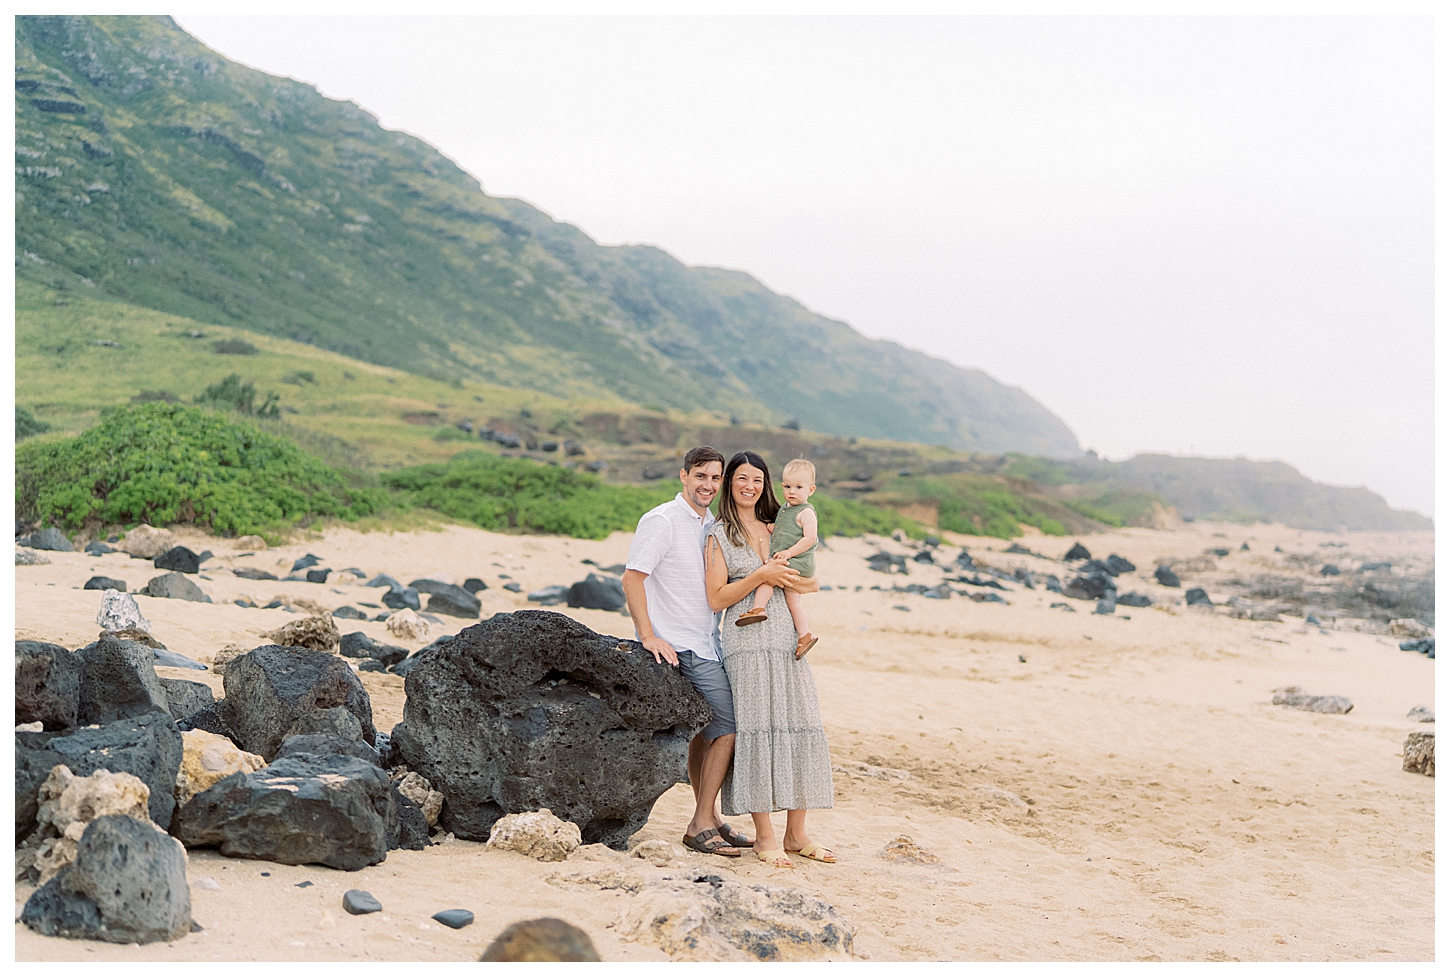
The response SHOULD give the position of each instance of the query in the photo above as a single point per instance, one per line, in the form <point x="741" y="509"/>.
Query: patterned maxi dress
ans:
<point x="782" y="761"/>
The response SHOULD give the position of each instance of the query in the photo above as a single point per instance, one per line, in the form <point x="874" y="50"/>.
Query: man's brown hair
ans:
<point x="702" y="455"/>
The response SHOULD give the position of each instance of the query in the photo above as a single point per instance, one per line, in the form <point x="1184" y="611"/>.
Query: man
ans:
<point x="664" y="588"/>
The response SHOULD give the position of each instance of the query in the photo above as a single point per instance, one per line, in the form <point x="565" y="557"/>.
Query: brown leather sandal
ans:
<point x="805" y="644"/>
<point x="754" y="616"/>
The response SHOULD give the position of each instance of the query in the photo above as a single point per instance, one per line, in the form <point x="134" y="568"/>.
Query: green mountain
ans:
<point x="1225" y="489"/>
<point x="162" y="175"/>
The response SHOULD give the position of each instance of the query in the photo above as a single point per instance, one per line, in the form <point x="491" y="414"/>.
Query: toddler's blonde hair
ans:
<point x="799" y="464"/>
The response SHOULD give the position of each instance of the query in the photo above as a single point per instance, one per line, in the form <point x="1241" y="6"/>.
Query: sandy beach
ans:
<point x="1093" y="787"/>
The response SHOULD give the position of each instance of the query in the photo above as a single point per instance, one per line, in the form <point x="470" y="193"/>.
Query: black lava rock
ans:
<point x="211" y="721"/>
<point x="453" y="601"/>
<point x="454" y="918"/>
<point x="175" y="586"/>
<point x="324" y="744"/>
<point x="1084" y="588"/>
<point x="409" y="829"/>
<point x="48" y="539"/>
<point x="105" y="583"/>
<point x="318" y="576"/>
<point x="126" y="885"/>
<point x="300" y="810"/>
<point x="404" y="667"/>
<point x="47" y="685"/>
<point x="178" y="558"/>
<point x="149" y="747"/>
<point x="359" y="903"/>
<point x="1312" y="618"/>
<point x="307" y="561"/>
<point x="1078" y="552"/>
<point x="1025" y="578"/>
<point x="97" y="548"/>
<point x="1198" y="596"/>
<point x="1053" y="584"/>
<point x="1329" y="570"/>
<point x="1167" y="577"/>
<point x="247" y="573"/>
<point x="402" y="597"/>
<point x="923" y="556"/>
<point x="600" y="593"/>
<point x="118" y="681"/>
<point x="1117" y="565"/>
<point x="426" y="585"/>
<point x="473" y="585"/>
<point x="1219" y="551"/>
<point x="33" y="763"/>
<point x="348" y="613"/>
<point x="383" y="580"/>
<point x="270" y="688"/>
<point x="336" y="721"/>
<point x="532" y="710"/>
<point x="185" y="699"/>
<point x="356" y="644"/>
<point x="371" y="665"/>
<point x="514" y="587"/>
<point x="1135" y="599"/>
<point x="1108" y="604"/>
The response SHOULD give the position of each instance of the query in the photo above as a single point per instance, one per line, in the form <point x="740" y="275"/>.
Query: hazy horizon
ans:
<point x="1192" y="236"/>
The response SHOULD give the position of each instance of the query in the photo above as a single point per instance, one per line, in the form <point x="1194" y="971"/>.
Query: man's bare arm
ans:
<point x="638" y="604"/>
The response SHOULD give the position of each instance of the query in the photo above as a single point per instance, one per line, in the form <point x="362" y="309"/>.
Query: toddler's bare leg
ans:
<point x="762" y="595"/>
<point x="797" y="612"/>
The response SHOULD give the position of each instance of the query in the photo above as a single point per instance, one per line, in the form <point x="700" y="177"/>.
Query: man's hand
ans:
<point x="661" y="649"/>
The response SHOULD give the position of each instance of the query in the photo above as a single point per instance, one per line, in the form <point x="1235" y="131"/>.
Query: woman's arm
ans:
<point x="722" y="593"/>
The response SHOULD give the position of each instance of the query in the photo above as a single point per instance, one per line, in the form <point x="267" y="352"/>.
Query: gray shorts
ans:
<point x="709" y="680"/>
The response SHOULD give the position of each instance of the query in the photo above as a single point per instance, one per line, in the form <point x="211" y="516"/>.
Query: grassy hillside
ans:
<point x="158" y="172"/>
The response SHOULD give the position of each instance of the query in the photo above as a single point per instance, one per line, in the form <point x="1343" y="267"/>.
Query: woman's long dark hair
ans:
<point x="766" y="507"/>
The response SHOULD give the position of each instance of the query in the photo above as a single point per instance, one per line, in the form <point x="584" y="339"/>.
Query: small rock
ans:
<point x="473" y="585"/>
<point x="1107" y="604"/>
<point x="1060" y="605"/>
<point x="383" y="580"/>
<point x="1135" y="599"/>
<point x="405" y="625"/>
<point x="174" y="586"/>
<point x="403" y="598"/>
<point x="185" y="698"/>
<point x="1296" y="698"/>
<point x="1165" y="576"/>
<point x="1421" y="714"/>
<point x="1312" y="618"/>
<point x="120" y="612"/>
<point x="307" y="561"/>
<point x="146" y="543"/>
<point x="349" y="613"/>
<point x="208" y="883"/>
<point x="51" y="539"/>
<point x="903" y="849"/>
<point x="454" y="918"/>
<point x="360" y="903"/>
<point x="318" y="575"/>
<point x="1420" y="754"/>
<point x="514" y="587"/>
<point x="537" y="834"/>
<point x="30" y="558"/>
<point x="594" y="591"/>
<point x="249" y="573"/>
<point x="541" y="940"/>
<point x="1329" y="570"/>
<point x="417" y="789"/>
<point x="249" y="543"/>
<point x="549" y="596"/>
<point x="105" y="583"/>
<point x="314" y="633"/>
<point x="1078" y="552"/>
<point x="207" y="758"/>
<point x="178" y="558"/>
<point x="1117" y="566"/>
<point x="126" y="885"/>
<point x="659" y="852"/>
<point x="96" y="548"/>
<point x="1197" y="596"/>
<point x="453" y="601"/>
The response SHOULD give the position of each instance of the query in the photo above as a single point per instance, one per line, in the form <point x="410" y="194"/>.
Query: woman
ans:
<point x="781" y="757"/>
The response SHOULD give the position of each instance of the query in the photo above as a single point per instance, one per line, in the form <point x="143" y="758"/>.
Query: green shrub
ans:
<point x="514" y="493"/>
<point x="848" y="517"/>
<point x="231" y="393"/>
<point x="1084" y="508"/>
<point x="452" y="434"/>
<point x="234" y="347"/>
<point x="980" y="505"/>
<point x="151" y="396"/>
<point x="27" y="425"/>
<point x="164" y="463"/>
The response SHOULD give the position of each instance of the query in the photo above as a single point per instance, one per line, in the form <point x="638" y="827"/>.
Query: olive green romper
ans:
<point x="788" y="533"/>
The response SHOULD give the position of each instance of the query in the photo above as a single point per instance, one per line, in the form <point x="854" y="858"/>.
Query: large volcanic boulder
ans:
<point x="533" y="710"/>
<point x="118" y="681"/>
<point x="185" y="698"/>
<point x="47" y="685"/>
<point x="305" y="809"/>
<point x="148" y="747"/>
<point x="271" y="688"/>
<point x="126" y="885"/>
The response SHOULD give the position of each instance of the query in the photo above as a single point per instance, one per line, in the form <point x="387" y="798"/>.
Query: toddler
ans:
<point x="793" y="542"/>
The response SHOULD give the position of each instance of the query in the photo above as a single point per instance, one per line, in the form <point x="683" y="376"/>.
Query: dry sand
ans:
<point x="1127" y="792"/>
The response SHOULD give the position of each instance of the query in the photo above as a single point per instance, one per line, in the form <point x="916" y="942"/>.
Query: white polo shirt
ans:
<point x="669" y="546"/>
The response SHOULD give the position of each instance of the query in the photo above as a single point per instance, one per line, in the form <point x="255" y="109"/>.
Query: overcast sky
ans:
<point x="1207" y="236"/>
